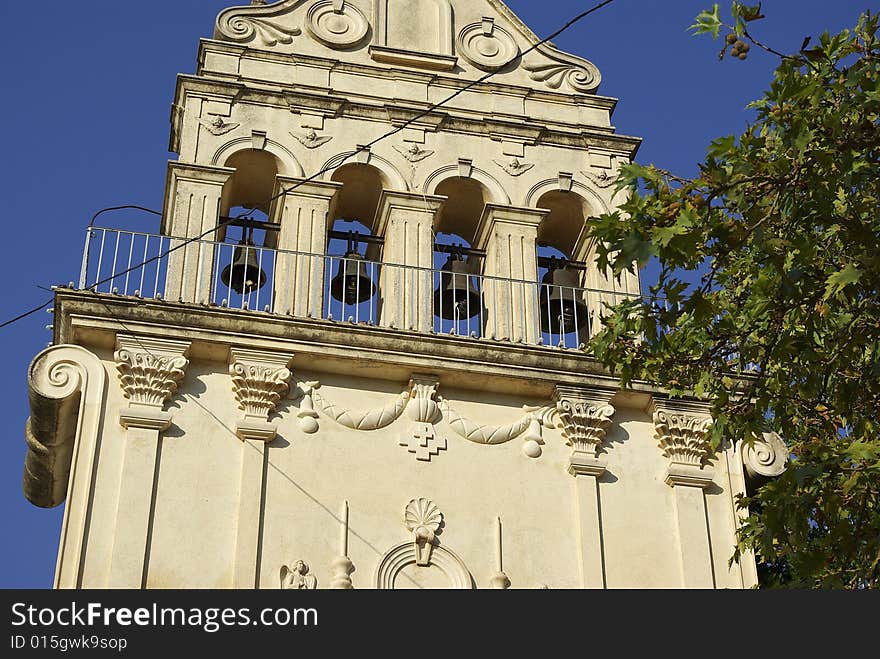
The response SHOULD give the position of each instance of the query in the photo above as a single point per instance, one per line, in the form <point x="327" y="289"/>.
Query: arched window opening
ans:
<point x="351" y="291"/>
<point x="358" y="199"/>
<point x="462" y="211"/>
<point x="565" y="317"/>
<point x="457" y="301"/>
<point x="253" y="183"/>
<point x="243" y="264"/>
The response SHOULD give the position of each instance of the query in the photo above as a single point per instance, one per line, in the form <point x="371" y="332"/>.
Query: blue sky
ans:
<point x="87" y="92"/>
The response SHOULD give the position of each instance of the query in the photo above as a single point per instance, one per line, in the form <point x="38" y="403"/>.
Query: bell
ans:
<point x="244" y="274"/>
<point x="562" y="310"/>
<point x="456" y="297"/>
<point x="352" y="284"/>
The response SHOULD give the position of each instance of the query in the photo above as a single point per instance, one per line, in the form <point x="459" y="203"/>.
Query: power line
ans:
<point x="324" y="170"/>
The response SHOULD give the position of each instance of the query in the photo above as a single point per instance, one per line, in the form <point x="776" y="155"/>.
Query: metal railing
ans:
<point x="342" y="289"/>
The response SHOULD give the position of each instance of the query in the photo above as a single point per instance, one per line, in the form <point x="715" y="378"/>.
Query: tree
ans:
<point x="780" y="325"/>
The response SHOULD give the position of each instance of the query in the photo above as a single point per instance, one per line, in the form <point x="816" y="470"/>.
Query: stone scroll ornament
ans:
<point x="559" y="70"/>
<point x="765" y="458"/>
<point x="264" y="25"/>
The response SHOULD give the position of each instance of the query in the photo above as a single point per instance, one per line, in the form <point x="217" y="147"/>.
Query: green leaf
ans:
<point x="841" y="279"/>
<point x="708" y="22"/>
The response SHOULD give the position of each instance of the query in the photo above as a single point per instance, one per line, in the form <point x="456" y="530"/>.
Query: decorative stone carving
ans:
<point x="683" y="438"/>
<point x="682" y="429"/>
<point x="217" y="126"/>
<point x="529" y="426"/>
<point x="499" y="580"/>
<point x="515" y="167"/>
<point x="424" y="520"/>
<point x="308" y="418"/>
<point x="375" y="419"/>
<point x="298" y="578"/>
<point x="259" y="381"/>
<point x="486" y="45"/>
<point x="564" y="69"/>
<point x="342" y="566"/>
<point x="422" y="409"/>
<point x="602" y="180"/>
<point x="584" y="416"/>
<point x="149" y="370"/>
<point x="414" y="153"/>
<point x="311" y="140"/>
<point x="336" y="23"/>
<point x="765" y="458"/>
<point x="260" y="23"/>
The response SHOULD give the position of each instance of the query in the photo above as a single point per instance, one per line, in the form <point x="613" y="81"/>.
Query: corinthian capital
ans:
<point x="682" y="429"/>
<point x="584" y="417"/>
<point x="259" y="380"/>
<point x="149" y="370"/>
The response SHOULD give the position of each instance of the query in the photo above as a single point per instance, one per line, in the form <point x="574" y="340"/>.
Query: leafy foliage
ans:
<point x="782" y="332"/>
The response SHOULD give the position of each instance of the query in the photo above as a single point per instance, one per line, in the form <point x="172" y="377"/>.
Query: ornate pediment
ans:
<point x="462" y="37"/>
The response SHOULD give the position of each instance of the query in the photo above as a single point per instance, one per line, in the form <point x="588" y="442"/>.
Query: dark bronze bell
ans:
<point x="562" y="309"/>
<point x="244" y="274"/>
<point x="352" y="283"/>
<point x="456" y="297"/>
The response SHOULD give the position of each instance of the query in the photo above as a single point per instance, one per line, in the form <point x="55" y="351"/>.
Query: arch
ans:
<point x="253" y="183"/>
<point x="392" y="179"/>
<point x="414" y="18"/>
<point x="362" y="186"/>
<point x="290" y="166"/>
<point x="403" y="555"/>
<point x="552" y="184"/>
<point x="498" y="193"/>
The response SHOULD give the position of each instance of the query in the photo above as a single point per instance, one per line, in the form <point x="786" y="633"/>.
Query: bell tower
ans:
<point x="353" y="354"/>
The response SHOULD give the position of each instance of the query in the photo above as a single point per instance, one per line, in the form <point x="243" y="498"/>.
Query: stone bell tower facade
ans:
<point x="251" y="399"/>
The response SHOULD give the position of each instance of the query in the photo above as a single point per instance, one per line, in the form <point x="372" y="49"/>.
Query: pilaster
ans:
<point x="305" y="213"/>
<point x="585" y="415"/>
<point x="149" y="370"/>
<point x="510" y="237"/>
<point x="192" y="206"/>
<point x="406" y="220"/>
<point x="682" y="428"/>
<point x="259" y="380"/>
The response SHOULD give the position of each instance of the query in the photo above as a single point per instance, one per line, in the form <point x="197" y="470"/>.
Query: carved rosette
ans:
<point x="259" y="381"/>
<point x="486" y="45"/>
<point x="765" y="458"/>
<point x="421" y="438"/>
<point x="336" y="23"/>
<point x="149" y="370"/>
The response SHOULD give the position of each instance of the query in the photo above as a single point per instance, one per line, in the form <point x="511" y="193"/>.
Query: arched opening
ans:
<point x="351" y="288"/>
<point x="565" y="315"/>
<point x="253" y="183"/>
<point x="359" y="198"/>
<point x="457" y="303"/>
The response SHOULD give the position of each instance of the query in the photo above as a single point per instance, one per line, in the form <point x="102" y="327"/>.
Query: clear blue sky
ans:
<point x="87" y="92"/>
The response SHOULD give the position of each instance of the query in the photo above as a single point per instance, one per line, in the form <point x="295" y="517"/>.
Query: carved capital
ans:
<point x="149" y="370"/>
<point x="682" y="429"/>
<point x="584" y="416"/>
<point x="259" y="380"/>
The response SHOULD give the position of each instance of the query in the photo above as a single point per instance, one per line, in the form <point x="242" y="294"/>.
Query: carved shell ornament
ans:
<point x="336" y="23"/>
<point x="486" y="45"/>
<point x="422" y="514"/>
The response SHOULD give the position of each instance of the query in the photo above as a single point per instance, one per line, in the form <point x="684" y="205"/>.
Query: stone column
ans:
<point x="585" y="415"/>
<point x="682" y="428"/>
<point x="149" y="370"/>
<point x="510" y="237"/>
<point x="259" y="380"/>
<point x="406" y="221"/>
<point x="306" y="214"/>
<point x="192" y="207"/>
